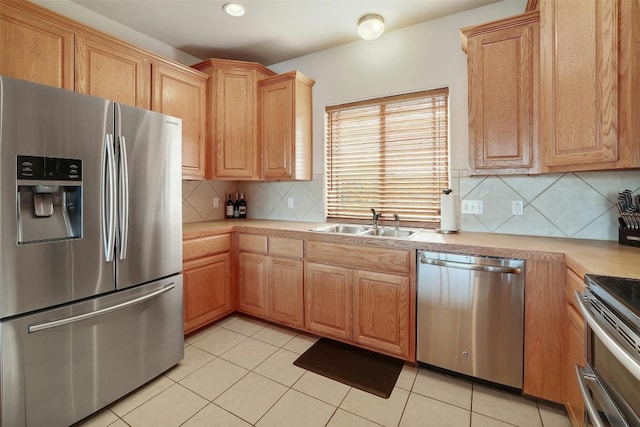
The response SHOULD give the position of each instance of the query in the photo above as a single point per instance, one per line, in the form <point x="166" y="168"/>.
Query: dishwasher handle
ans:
<point x="467" y="266"/>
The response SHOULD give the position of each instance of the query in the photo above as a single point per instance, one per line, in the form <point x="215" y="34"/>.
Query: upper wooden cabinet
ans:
<point x="233" y="150"/>
<point x="503" y="68"/>
<point x="36" y="45"/>
<point x="180" y="92"/>
<point x="590" y="84"/>
<point x="286" y="127"/>
<point x="113" y="70"/>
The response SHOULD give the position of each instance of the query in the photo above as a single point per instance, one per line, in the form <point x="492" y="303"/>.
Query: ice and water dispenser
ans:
<point x="49" y="199"/>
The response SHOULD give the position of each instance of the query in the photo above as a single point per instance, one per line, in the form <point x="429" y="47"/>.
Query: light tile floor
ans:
<point x="240" y="372"/>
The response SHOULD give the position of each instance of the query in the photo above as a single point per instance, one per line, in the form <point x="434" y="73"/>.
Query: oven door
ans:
<point x="601" y="411"/>
<point x="609" y="383"/>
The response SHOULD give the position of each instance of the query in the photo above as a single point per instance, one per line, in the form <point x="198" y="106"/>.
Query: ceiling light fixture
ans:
<point x="370" y="27"/>
<point x="233" y="9"/>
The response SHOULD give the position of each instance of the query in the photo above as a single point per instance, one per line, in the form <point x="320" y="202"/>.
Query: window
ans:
<point x="390" y="154"/>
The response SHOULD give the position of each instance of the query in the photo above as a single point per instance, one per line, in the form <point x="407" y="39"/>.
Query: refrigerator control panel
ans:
<point x="49" y="168"/>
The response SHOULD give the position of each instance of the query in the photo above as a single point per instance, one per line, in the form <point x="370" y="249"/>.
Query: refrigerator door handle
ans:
<point x="67" y="320"/>
<point x="123" y="187"/>
<point x="107" y="196"/>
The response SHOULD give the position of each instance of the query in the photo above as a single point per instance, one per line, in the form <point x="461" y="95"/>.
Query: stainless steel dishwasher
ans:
<point x="470" y="315"/>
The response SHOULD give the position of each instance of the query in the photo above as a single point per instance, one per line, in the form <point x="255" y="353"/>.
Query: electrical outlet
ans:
<point x="216" y="202"/>
<point x="290" y="203"/>
<point x="472" y="207"/>
<point x="517" y="207"/>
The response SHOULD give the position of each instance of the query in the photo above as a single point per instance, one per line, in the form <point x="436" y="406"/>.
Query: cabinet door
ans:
<point x="286" y="291"/>
<point x="35" y="48"/>
<point x="579" y="83"/>
<point x="329" y="300"/>
<point x="503" y="66"/>
<point x="575" y="356"/>
<point x="277" y="127"/>
<point x="381" y="312"/>
<point x="112" y="70"/>
<point x="286" y="126"/>
<point x="235" y="131"/>
<point x="207" y="290"/>
<point x="253" y="291"/>
<point x="181" y="93"/>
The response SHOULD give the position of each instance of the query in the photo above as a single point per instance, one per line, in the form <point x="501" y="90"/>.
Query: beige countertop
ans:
<point x="582" y="256"/>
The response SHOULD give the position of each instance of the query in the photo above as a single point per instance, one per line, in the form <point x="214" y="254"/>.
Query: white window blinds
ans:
<point x="390" y="154"/>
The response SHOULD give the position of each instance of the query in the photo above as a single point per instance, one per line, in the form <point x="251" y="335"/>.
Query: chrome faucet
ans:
<point x="396" y="221"/>
<point x="376" y="217"/>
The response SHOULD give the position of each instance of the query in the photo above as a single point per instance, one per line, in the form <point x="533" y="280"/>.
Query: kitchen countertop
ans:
<point x="582" y="256"/>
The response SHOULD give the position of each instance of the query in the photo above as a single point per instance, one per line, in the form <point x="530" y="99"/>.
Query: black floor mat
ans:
<point x="366" y="370"/>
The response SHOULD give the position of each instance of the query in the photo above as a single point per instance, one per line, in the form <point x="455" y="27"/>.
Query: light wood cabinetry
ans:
<point x="381" y="312"/>
<point x="112" y="70"/>
<point x="589" y="84"/>
<point x="503" y="69"/>
<point x="36" y="46"/>
<point x="233" y="150"/>
<point x="285" y="126"/>
<point x="181" y="92"/>
<point x="544" y="330"/>
<point x="270" y="278"/>
<point x="575" y="350"/>
<point x="354" y="298"/>
<point x="44" y="47"/>
<point x="329" y="300"/>
<point x="207" y="280"/>
<point x="253" y="288"/>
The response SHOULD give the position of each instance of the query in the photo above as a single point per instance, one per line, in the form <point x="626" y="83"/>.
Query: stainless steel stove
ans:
<point x="610" y="381"/>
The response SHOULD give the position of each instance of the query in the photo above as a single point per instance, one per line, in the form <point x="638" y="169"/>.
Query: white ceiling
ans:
<point x="271" y="31"/>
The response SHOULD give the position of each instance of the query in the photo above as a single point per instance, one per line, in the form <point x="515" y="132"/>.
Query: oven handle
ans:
<point x="618" y="352"/>
<point x="583" y="377"/>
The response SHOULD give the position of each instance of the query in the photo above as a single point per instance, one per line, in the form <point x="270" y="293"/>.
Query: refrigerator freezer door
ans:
<point x="41" y="121"/>
<point x="150" y="196"/>
<point x="61" y="365"/>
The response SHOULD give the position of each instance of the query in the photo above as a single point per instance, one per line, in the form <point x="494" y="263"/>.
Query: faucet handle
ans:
<point x="396" y="220"/>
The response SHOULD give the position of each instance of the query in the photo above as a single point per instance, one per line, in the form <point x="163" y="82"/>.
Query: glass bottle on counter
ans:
<point x="242" y="206"/>
<point x="236" y="207"/>
<point x="229" y="207"/>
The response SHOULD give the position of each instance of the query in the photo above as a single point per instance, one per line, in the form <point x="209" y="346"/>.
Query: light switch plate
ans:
<point x="290" y="203"/>
<point x="472" y="207"/>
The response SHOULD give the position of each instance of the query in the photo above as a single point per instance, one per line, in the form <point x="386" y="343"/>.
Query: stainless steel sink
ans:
<point x="391" y="232"/>
<point x="343" y="229"/>
<point x="359" y="230"/>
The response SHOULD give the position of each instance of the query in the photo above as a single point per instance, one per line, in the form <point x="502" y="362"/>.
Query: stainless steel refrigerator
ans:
<point x="90" y="252"/>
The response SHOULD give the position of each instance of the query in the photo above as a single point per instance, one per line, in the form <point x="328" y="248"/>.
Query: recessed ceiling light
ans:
<point x="370" y="27"/>
<point x="233" y="9"/>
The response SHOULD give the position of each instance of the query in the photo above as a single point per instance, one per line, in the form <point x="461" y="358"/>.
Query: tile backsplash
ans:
<point x="265" y="200"/>
<point x="576" y="205"/>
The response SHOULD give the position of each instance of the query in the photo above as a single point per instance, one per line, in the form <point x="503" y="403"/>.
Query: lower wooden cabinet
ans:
<point x="367" y="308"/>
<point x="329" y="300"/>
<point x="253" y="289"/>
<point x="286" y="292"/>
<point x="207" y="280"/>
<point x="381" y="312"/>
<point x="271" y="287"/>
<point x="207" y="290"/>
<point x="575" y="350"/>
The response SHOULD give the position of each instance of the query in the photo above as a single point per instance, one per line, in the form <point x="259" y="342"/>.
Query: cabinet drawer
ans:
<point x="252" y="243"/>
<point x="363" y="257"/>
<point x="204" y="246"/>
<point x="574" y="283"/>
<point x="291" y="248"/>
